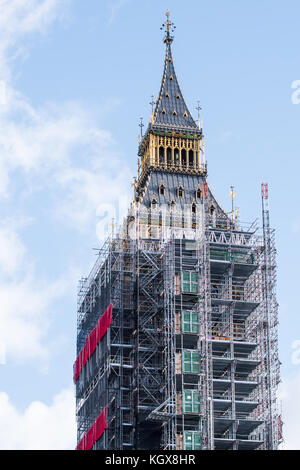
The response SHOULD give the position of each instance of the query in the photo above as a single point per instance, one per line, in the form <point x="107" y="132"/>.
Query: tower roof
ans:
<point x="171" y="109"/>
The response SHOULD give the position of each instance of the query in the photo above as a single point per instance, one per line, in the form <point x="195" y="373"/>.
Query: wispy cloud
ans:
<point x="19" y="19"/>
<point x="12" y="250"/>
<point x="114" y="8"/>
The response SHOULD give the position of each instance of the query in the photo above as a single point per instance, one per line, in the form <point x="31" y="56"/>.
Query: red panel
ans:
<point x="92" y="341"/>
<point x="101" y="328"/>
<point x="85" y="354"/>
<point x="80" y="445"/>
<point x="90" y="438"/>
<point x="103" y="324"/>
<point x="101" y="424"/>
<point x="80" y="361"/>
<point x="109" y="315"/>
<point x="99" y="427"/>
<point x="98" y="332"/>
<point x="94" y="433"/>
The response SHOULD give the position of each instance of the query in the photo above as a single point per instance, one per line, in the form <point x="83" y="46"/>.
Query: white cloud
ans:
<point x="2" y="93"/>
<point x="62" y="147"/>
<point x="18" y="19"/>
<point x="25" y="316"/>
<point x="39" y="427"/>
<point x="40" y="142"/>
<point x="12" y="250"/>
<point x="89" y="193"/>
<point x="24" y="16"/>
<point x="289" y="395"/>
<point x="32" y="140"/>
<point x="26" y="299"/>
<point x="53" y="146"/>
<point x="57" y="148"/>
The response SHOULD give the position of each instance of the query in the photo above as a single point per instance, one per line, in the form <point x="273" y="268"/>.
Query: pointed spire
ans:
<point x="171" y="109"/>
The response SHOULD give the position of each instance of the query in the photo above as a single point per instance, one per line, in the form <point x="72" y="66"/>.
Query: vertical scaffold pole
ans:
<point x="270" y="322"/>
<point x="205" y="315"/>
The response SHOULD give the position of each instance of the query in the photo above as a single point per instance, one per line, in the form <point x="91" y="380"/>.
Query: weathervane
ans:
<point x="168" y="26"/>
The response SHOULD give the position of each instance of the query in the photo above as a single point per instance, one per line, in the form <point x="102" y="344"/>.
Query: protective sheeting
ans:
<point x="94" y="433"/>
<point x="92" y="341"/>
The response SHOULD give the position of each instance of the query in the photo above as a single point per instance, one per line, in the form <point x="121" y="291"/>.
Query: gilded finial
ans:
<point x="169" y="28"/>
<point x="232" y="194"/>
<point x="199" y="109"/>
<point x="168" y="16"/>
<point x="152" y="103"/>
<point x="141" y="125"/>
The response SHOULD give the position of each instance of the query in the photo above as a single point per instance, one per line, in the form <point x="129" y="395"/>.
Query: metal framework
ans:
<point x="191" y="358"/>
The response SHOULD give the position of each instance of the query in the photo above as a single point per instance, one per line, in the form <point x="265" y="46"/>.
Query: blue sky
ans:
<point x="75" y="77"/>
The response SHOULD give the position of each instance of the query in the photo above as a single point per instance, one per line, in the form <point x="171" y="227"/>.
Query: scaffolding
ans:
<point x="191" y="358"/>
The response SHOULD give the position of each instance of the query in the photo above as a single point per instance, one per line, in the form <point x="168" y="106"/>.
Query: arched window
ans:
<point x="161" y="189"/>
<point x="193" y="208"/>
<point x="180" y="191"/>
<point x="160" y="219"/>
<point x="191" y="158"/>
<point x="172" y="204"/>
<point x="153" y="203"/>
<point x="176" y="156"/>
<point x="198" y="193"/>
<point x="161" y="156"/>
<point x="169" y="156"/>
<point x="211" y="209"/>
<point x="183" y="158"/>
